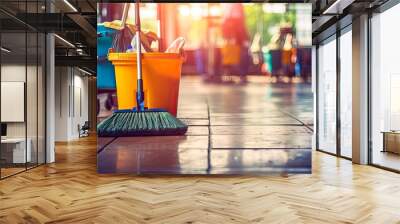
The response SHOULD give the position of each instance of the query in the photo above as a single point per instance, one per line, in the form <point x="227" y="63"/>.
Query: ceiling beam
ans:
<point x="337" y="7"/>
<point x="79" y="61"/>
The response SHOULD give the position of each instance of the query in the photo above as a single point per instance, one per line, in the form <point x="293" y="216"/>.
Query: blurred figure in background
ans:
<point x="287" y="55"/>
<point x="255" y="49"/>
<point x="109" y="12"/>
<point x="235" y="53"/>
<point x="200" y="59"/>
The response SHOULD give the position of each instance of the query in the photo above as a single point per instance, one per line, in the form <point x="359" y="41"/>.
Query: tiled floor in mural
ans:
<point x="255" y="128"/>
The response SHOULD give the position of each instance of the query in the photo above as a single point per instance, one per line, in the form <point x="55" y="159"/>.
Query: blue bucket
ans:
<point x="105" y="69"/>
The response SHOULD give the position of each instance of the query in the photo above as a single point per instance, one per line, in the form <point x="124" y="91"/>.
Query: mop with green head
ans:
<point x="140" y="121"/>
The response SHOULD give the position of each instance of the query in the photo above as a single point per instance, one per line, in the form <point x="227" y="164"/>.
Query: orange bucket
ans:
<point x="161" y="73"/>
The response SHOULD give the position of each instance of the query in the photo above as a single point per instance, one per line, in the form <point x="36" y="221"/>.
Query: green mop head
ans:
<point x="144" y="123"/>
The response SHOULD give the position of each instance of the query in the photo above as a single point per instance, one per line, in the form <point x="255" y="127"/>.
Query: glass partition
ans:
<point x="14" y="144"/>
<point x="22" y="90"/>
<point x="327" y="96"/>
<point x="346" y="93"/>
<point x="385" y="89"/>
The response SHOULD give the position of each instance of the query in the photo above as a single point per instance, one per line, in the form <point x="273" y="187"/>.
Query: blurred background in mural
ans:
<point x="227" y="39"/>
<point x="245" y="88"/>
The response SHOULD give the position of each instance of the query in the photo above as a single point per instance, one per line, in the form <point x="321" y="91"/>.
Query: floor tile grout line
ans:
<point x="258" y="134"/>
<point x="187" y="118"/>
<point x="236" y="148"/>
<point x="249" y="125"/>
<point x="229" y="117"/>
<point x="209" y="139"/>
<point x="294" y="117"/>
<point x="108" y="143"/>
<point x="265" y="148"/>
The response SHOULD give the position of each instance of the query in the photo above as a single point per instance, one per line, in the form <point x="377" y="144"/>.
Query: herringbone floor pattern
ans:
<point x="70" y="191"/>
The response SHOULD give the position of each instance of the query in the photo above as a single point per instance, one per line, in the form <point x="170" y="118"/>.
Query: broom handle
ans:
<point x="139" y="92"/>
<point x="125" y="15"/>
<point x="115" y="45"/>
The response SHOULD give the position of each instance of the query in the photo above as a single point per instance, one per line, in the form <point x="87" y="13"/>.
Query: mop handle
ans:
<point x="138" y="42"/>
<point x="139" y="92"/>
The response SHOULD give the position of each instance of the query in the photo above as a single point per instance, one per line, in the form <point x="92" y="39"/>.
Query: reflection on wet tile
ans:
<point x="242" y="110"/>
<point x="191" y="103"/>
<point x="193" y="114"/>
<point x="186" y="161"/>
<point x="255" y="129"/>
<point x="102" y="141"/>
<point x="253" y="161"/>
<point x="121" y="159"/>
<point x="197" y="130"/>
<point x="254" y="121"/>
<point x="191" y="122"/>
<point x="259" y="130"/>
<point x="160" y="143"/>
<point x="259" y="115"/>
<point x="261" y="141"/>
<point x="307" y="121"/>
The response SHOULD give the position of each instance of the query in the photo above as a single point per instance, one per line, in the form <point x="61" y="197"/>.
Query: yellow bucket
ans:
<point x="230" y="54"/>
<point x="161" y="73"/>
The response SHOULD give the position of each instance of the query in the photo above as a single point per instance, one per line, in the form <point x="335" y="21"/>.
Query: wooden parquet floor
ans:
<point x="70" y="191"/>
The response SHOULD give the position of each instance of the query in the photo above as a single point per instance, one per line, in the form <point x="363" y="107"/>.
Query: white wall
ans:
<point x="61" y="103"/>
<point x="80" y="97"/>
<point x="71" y="102"/>
<point x="13" y="73"/>
<point x="9" y="73"/>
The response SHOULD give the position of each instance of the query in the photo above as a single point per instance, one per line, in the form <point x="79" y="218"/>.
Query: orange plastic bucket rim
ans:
<point x="132" y="56"/>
